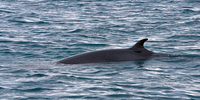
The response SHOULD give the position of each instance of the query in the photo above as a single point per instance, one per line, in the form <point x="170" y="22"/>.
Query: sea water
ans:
<point x="35" y="34"/>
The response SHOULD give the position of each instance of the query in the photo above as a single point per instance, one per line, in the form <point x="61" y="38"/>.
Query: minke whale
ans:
<point x="135" y="53"/>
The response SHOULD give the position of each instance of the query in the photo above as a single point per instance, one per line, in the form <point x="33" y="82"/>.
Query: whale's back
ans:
<point x="112" y="55"/>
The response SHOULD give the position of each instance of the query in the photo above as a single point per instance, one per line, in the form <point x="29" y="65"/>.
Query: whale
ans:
<point x="135" y="53"/>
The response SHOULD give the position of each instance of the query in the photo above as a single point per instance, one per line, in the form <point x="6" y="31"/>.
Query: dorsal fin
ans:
<point x="140" y="43"/>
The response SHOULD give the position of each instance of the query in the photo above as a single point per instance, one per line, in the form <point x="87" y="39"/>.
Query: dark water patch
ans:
<point x="1" y="88"/>
<point x="111" y="74"/>
<point x="5" y="11"/>
<point x="23" y="42"/>
<point x="192" y="1"/>
<point x="135" y="86"/>
<point x="95" y="72"/>
<point x="125" y="95"/>
<point x="32" y="14"/>
<point x="196" y="91"/>
<point x="34" y="98"/>
<point x="84" y="36"/>
<point x="193" y="96"/>
<point x="188" y="11"/>
<point x="72" y="97"/>
<point x="6" y="51"/>
<point x="83" y="78"/>
<point x="159" y="88"/>
<point x="192" y="23"/>
<point x="35" y="90"/>
<point x="38" y="75"/>
<point x="184" y="37"/>
<point x="141" y="93"/>
<point x="20" y="71"/>
<point x="196" y="66"/>
<point x="5" y="41"/>
<point x="30" y="83"/>
<point x="196" y="76"/>
<point x="92" y="97"/>
<point x="64" y="35"/>
<point x="95" y="89"/>
<point x="119" y="26"/>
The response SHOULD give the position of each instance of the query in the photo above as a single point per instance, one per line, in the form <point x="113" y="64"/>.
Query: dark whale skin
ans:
<point x="136" y="53"/>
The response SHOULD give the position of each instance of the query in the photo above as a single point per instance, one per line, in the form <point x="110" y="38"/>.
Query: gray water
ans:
<point x="34" y="34"/>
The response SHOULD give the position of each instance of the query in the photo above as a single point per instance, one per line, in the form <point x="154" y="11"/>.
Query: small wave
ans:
<point x="76" y="31"/>
<point x="1" y="88"/>
<point x="130" y="86"/>
<point x="5" y="11"/>
<point x="188" y="11"/>
<point x="184" y="37"/>
<point x="5" y="41"/>
<point x="34" y="89"/>
<point x="28" y="22"/>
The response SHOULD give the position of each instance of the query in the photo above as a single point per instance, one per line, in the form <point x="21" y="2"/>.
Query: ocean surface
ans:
<point x="35" y="34"/>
